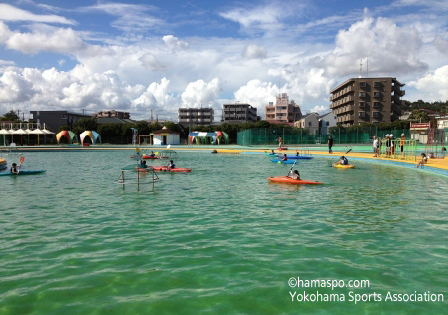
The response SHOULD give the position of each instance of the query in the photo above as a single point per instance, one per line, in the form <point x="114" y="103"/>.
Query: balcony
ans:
<point x="349" y="108"/>
<point x="341" y="93"/>
<point x="341" y="101"/>
<point x="345" y="118"/>
<point x="398" y="93"/>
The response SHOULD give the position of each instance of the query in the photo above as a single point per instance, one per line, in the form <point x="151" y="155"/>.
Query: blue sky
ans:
<point x="139" y="56"/>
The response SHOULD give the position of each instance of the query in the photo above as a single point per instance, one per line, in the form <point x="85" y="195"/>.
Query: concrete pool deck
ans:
<point x="439" y="165"/>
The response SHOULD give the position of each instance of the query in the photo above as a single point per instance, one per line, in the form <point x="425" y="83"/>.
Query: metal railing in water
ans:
<point x="134" y="175"/>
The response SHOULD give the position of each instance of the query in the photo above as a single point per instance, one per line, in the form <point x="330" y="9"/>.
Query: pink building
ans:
<point x="283" y="111"/>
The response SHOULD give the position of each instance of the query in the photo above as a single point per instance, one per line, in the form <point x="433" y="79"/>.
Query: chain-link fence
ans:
<point x="295" y="136"/>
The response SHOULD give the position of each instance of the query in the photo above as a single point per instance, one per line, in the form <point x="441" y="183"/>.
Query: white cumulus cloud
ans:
<point x="320" y="109"/>
<point x="174" y="43"/>
<point x="150" y="62"/>
<point x="156" y="96"/>
<point x="390" y="49"/>
<point x="258" y="94"/>
<point x="51" y="89"/>
<point x="200" y="93"/>
<point x="254" y="52"/>
<point x="59" y="41"/>
<point x="433" y="85"/>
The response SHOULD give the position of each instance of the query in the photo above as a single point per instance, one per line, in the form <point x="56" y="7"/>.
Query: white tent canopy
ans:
<point x="19" y="132"/>
<point x="47" y="132"/>
<point x="37" y="132"/>
<point x="4" y="132"/>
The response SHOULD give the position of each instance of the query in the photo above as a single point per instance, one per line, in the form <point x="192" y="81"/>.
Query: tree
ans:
<point x="262" y="124"/>
<point x="110" y="133"/>
<point x="419" y="116"/>
<point x="155" y="126"/>
<point x="246" y="125"/>
<point x="84" y="124"/>
<point x="143" y="127"/>
<point x="11" y="115"/>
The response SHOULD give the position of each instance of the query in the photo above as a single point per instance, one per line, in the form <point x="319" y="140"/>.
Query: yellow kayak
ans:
<point x="344" y="166"/>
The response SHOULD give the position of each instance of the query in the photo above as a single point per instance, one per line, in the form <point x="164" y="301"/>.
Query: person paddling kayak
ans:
<point x="15" y="169"/>
<point x="295" y="174"/>
<point x="342" y="161"/>
<point x="171" y="165"/>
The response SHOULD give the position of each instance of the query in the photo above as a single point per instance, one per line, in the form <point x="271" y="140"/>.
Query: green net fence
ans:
<point x="295" y="136"/>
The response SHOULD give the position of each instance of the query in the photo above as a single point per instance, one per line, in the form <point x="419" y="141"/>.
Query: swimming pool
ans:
<point x="218" y="240"/>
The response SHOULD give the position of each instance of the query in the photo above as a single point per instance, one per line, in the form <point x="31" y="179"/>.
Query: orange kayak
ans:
<point x="175" y="170"/>
<point x="289" y="180"/>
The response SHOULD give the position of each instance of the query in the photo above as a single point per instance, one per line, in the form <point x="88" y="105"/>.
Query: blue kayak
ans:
<point x="283" y="162"/>
<point x="294" y="157"/>
<point x="299" y="157"/>
<point x="24" y="172"/>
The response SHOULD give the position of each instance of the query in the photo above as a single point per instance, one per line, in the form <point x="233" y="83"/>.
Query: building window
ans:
<point x="64" y="116"/>
<point x="328" y="123"/>
<point x="377" y="84"/>
<point x="376" y="104"/>
<point x="362" y="114"/>
<point x="309" y="123"/>
<point x="376" y="94"/>
<point x="362" y="104"/>
<point x="362" y="94"/>
<point x="362" y="84"/>
<point x="376" y="114"/>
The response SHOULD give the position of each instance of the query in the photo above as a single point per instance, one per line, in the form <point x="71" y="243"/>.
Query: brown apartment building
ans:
<point x="371" y="100"/>
<point x="283" y="110"/>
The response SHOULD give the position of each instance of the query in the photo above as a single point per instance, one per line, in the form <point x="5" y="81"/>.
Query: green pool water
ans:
<point x="218" y="240"/>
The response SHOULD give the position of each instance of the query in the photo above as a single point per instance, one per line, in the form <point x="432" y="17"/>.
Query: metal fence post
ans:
<point x="339" y="135"/>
